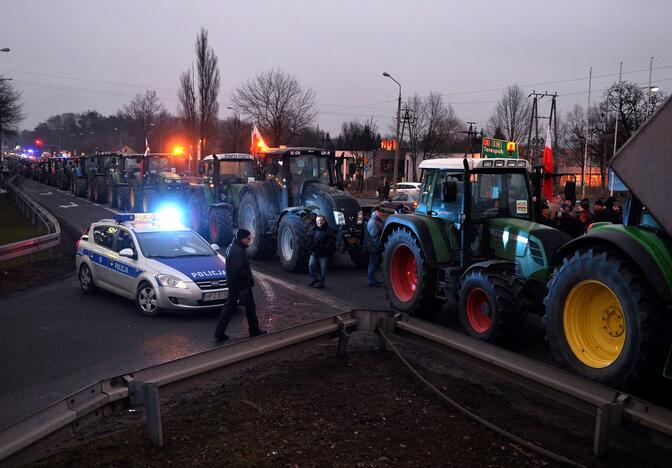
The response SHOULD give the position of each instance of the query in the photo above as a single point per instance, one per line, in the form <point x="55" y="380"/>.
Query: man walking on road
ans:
<point x="240" y="281"/>
<point x="374" y="229"/>
<point x="322" y="244"/>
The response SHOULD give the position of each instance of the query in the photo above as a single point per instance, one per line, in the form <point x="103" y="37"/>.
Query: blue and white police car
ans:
<point x="159" y="263"/>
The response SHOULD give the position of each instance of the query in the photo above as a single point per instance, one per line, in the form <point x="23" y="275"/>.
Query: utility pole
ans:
<point x="618" y="114"/>
<point x="585" y="147"/>
<point x="534" y="121"/>
<point x="411" y="119"/>
<point x="396" y="149"/>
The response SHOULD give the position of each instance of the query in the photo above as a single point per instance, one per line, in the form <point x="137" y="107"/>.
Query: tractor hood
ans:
<point x="531" y="245"/>
<point x="329" y="199"/>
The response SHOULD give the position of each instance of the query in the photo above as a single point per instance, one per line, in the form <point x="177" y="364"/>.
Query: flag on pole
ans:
<point x="257" y="141"/>
<point x="547" y="163"/>
<point x="146" y="146"/>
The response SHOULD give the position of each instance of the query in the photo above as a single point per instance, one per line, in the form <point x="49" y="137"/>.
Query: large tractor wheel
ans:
<point x="80" y="188"/>
<point x="198" y="218"/>
<point x="293" y="242"/>
<point x="101" y="190"/>
<point x="123" y="197"/>
<point x="135" y="199"/>
<point x="149" y="200"/>
<point x="490" y="304"/>
<point x="220" y="226"/>
<point x="249" y="217"/>
<point x="114" y="202"/>
<point x="63" y="182"/>
<point x="408" y="281"/>
<point x="602" y="320"/>
<point x="93" y="193"/>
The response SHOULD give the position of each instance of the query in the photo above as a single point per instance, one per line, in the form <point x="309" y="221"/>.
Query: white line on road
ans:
<point x="305" y="292"/>
<point x="71" y="205"/>
<point x="47" y="193"/>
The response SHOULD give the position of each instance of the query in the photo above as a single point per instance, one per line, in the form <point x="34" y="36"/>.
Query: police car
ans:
<point x="152" y="259"/>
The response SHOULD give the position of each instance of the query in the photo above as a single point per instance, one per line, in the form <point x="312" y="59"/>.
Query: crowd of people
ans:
<point x="574" y="218"/>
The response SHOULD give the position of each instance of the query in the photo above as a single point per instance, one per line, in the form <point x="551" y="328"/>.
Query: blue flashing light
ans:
<point x="170" y="215"/>
<point x="121" y="217"/>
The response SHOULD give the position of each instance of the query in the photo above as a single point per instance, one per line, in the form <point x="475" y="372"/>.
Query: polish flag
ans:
<point x="146" y="146"/>
<point x="257" y="143"/>
<point x="547" y="163"/>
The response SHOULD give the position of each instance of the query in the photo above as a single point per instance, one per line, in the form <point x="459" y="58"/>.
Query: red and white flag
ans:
<point x="146" y="146"/>
<point x="547" y="164"/>
<point x="257" y="143"/>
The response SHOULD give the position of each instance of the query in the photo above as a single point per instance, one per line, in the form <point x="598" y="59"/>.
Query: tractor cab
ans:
<point x="222" y="171"/>
<point x="293" y="169"/>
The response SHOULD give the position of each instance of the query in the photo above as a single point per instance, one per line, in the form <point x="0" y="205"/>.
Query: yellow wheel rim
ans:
<point x="594" y="324"/>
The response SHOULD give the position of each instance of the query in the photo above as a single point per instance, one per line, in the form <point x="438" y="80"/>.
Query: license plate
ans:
<point x="214" y="296"/>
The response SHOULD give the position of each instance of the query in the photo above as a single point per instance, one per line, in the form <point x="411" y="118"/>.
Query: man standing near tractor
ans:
<point x="322" y="245"/>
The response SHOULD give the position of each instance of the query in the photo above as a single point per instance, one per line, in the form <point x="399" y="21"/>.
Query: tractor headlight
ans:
<point x="339" y="217"/>
<point x="360" y="217"/>
<point x="171" y="282"/>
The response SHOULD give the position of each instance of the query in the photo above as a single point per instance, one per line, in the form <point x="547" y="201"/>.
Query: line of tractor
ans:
<point x="473" y="240"/>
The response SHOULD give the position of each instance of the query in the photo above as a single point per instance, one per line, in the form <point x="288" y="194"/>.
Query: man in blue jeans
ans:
<point x="322" y="244"/>
<point x="374" y="229"/>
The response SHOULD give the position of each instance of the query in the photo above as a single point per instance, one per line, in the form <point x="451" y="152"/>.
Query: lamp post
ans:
<point x="396" y="149"/>
<point x="5" y="49"/>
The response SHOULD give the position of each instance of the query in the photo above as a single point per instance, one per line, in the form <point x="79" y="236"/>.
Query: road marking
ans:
<point x="305" y="292"/>
<point x="71" y="205"/>
<point x="47" y="193"/>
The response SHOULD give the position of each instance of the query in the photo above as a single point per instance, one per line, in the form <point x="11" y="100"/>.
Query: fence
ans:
<point x="38" y="216"/>
<point x="610" y="407"/>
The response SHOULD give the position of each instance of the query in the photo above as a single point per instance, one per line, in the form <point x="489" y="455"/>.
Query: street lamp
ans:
<point x="396" y="149"/>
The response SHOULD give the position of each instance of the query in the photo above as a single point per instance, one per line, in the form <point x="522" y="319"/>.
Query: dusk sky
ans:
<point x="75" y="55"/>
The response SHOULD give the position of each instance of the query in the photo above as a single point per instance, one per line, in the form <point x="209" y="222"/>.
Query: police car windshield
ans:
<point x="171" y="244"/>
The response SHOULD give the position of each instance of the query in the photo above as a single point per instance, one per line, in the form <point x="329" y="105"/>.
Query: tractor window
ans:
<point x="159" y="164"/>
<point x="497" y="195"/>
<point x="307" y="167"/>
<point x="450" y="211"/>
<point x="426" y="189"/>
<point x="236" y="171"/>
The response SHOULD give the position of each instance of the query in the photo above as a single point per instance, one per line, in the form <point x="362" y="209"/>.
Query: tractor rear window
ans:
<point x="236" y="171"/>
<point x="500" y="195"/>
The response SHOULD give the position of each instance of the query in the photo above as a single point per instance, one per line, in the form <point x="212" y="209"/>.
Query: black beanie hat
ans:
<point x="242" y="233"/>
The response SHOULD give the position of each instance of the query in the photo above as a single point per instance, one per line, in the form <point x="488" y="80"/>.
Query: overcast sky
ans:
<point x="75" y="55"/>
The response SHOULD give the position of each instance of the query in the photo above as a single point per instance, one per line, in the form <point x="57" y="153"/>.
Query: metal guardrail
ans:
<point x="36" y="214"/>
<point x="610" y="407"/>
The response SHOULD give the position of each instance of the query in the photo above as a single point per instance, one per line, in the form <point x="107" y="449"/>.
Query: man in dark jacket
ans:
<point x="374" y="229"/>
<point x="240" y="281"/>
<point x="322" y="244"/>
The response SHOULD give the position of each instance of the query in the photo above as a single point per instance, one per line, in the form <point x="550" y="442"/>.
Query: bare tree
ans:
<point x="199" y="106"/>
<point x="633" y="105"/>
<point x="361" y="139"/>
<point x="512" y="114"/>
<point x="433" y="129"/>
<point x="143" y="116"/>
<point x="278" y="104"/>
<point x="187" y="107"/>
<point x="234" y="135"/>
<point x="11" y="110"/>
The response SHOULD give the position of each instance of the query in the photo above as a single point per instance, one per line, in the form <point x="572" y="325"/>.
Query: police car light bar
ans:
<point x="122" y="217"/>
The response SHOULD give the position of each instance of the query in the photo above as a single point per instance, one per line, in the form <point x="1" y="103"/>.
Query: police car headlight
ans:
<point x="360" y="217"/>
<point x="171" y="282"/>
<point x="340" y="218"/>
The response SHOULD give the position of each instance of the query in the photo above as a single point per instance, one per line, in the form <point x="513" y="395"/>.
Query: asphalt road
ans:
<point x="55" y="340"/>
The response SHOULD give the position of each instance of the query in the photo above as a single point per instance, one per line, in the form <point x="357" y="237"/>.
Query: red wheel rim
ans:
<point x="478" y="310"/>
<point x="214" y="229"/>
<point x="403" y="273"/>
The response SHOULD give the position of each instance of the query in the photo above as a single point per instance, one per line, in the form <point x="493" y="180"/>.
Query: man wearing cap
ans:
<point x="240" y="281"/>
<point x="546" y="218"/>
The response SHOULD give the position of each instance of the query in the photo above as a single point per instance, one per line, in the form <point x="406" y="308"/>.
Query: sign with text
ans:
<point x="493" y="148"/>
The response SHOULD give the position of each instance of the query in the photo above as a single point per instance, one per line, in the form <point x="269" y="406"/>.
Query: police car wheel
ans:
<point x="147" y="300"/>
<point x="86" y="280"/>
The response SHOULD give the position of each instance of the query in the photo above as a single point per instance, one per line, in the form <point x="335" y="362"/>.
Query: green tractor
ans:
<point x="99" y="166"/>
<point x="280" y="209"/>
<point x="156" y="183"/>
<point x="64" y="173"/>
<point x="214" y="201"/>
<point x="118" y="178"/>
<point x="471" y="240"/>
<point x="608" y="310"/>
<point x="79" y="179"/>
